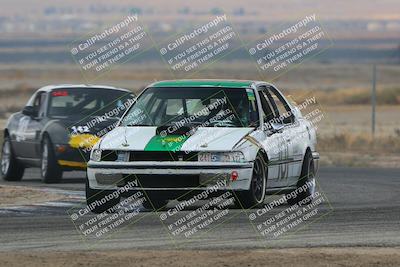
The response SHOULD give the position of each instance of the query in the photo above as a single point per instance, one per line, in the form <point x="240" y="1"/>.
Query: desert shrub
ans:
<point x="351" y="96"/>
<point x="363" y="143"/>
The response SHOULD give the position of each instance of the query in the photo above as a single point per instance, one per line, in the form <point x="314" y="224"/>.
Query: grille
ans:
<point x="108" y="155"/>
<point x="162" y="156"/>
<point x="164" y="181"/>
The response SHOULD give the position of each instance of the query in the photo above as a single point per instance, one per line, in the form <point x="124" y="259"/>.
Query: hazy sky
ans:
<point x="265" y="9"/>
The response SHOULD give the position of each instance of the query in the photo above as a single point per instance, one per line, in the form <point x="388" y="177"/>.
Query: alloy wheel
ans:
<point x="5" y="157"/>
<point x="258" y="181"/>
<point x="45" y="161"/>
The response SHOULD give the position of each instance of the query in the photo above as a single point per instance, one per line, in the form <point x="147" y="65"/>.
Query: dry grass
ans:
<point x="353" y="96"/>
<point x="347" y="256"/>
<point x="359" y="150"/>
<point x="361" y="143"/>
<point x="306" y="76"/>
<point x="21" y="195"/>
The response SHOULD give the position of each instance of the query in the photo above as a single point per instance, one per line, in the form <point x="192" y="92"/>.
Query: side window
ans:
<point x="42" y="108"/>
<point x="268" y="112"/>
<point x="39" y="104"/>
<point x="281" y="107"/>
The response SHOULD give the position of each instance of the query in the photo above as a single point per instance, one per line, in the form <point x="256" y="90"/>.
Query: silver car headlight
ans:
<point x="235" y="156"/>
<point x="95" y="155"/>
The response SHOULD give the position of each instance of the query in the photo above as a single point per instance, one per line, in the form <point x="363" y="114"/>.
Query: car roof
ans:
<point x="207" y="83"/>
<point x="49" y="88"/>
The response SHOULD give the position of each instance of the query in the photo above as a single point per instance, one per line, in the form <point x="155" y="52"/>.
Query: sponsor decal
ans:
<point x="83" y="140"/>
<point x="59" y="93"/>
<point x="166" y="143"/>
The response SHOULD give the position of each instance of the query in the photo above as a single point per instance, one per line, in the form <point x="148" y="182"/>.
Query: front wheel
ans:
<point x="50" y="170"/>
<point x="304" y="194"/>
<point x="255" y="196"/>
<point x="11" y="168"/>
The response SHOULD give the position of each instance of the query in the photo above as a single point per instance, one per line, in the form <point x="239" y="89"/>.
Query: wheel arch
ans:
<point x="264" y="155"/>
<point x="56" y="131"/>
<point x="6" y="133"/>
<point x="45" y="135"/>
<point x="309" y="151"/>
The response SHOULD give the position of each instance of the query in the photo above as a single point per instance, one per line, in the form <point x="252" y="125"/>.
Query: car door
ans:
<point x="273" y="143"/>
<point x="29" y="127"/>
<point x="291" y="152"/>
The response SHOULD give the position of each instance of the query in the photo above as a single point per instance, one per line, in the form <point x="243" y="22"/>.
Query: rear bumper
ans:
<point x="169" y="176"/>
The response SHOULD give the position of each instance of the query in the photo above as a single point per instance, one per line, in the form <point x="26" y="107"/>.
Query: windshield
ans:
<point x="201" y="107"/>
<point x="87" y="102"/>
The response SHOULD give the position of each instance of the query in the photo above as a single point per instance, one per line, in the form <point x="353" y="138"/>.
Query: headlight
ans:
<point x="96" y="155"/>
<point x="221" y="156"/>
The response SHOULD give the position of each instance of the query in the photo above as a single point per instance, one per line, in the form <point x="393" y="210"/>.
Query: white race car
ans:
<point x="183" y="137"/>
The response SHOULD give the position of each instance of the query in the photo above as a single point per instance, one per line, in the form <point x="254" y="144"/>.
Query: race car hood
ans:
<point x="78" y="134"/>
<point x="86" y="125"/>
<point x="146" y="139"/>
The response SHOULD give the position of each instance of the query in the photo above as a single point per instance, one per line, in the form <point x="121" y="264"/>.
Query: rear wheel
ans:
<point x="11" y="168"/>
<point x="304" y="194"/>
<point x="256" y="194"/>
<point x="100" y="201"/>
<point x="50" y="170"/>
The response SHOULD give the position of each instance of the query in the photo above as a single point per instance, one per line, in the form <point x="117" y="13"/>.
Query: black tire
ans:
<point x="50" y="171"/>
<point x="255" y="196"/>
<point x="306" y="179"/>
<point x="11" y="169"/>
<point x="154" y="202"/>
<point x="94" y="197"/>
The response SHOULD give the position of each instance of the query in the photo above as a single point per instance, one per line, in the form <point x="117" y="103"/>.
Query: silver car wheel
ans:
<point x="45" y="156"/>
<point x="5" y="157"/>
<point x="258" y="181"/>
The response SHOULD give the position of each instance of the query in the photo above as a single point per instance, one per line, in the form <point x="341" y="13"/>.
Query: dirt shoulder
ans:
<point x="21" y="195"/>
<point x="270" y="257"/>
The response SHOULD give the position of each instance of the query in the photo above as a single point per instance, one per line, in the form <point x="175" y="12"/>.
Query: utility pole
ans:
<point x="373" y="99"/>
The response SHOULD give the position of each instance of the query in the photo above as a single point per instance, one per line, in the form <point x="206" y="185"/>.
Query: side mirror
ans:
<point x="288" y="120"/>
<point x="29" y="111"/>
<point x="277" y="127"/>
<point x="274" y="128"/>
<point x="296" y="112"/>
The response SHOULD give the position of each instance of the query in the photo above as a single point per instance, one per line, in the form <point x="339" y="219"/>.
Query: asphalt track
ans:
<point x="361" y="207"/>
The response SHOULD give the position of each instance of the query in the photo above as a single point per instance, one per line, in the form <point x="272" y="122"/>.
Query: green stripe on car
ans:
<point x="167" y="143"/>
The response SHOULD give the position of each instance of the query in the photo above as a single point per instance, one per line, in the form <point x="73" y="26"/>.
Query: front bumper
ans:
<point x="70" y="158"/>
<point x="170" y="176"/>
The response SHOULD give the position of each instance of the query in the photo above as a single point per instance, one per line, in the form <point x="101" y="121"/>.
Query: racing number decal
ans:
<point x="80" y="129"/>
<point x="283" y="172"/>
<point x="21" y="129"/>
